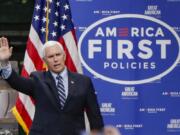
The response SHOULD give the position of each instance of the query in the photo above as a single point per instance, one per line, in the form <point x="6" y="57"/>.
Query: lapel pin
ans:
<point x="72" y="82"/>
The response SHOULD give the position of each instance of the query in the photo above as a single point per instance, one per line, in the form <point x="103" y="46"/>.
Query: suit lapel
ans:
<point x="71" y="87"/>
<point x="52" y="91"/>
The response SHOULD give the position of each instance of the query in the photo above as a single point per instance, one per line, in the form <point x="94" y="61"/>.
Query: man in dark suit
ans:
<point x="60" y="95"/>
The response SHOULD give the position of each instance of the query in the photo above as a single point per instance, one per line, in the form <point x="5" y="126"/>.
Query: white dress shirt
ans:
<point x="64" y="75"/>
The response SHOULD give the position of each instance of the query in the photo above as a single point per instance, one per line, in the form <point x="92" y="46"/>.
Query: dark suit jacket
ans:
<point x="49" y="119"/>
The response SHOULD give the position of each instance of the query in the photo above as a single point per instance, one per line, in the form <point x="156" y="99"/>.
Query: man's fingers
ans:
<point x="10" y="50"/>
<point x="0" y="42"/>
<point x="4" y="41"/>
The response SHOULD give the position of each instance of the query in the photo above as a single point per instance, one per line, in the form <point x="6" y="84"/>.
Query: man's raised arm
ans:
<point x="24" y="85"/>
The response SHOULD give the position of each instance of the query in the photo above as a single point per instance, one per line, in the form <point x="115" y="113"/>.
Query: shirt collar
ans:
<point x="62" y="73"/>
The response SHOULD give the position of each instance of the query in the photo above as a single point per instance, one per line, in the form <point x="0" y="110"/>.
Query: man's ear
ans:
<point x="64" y="56"/>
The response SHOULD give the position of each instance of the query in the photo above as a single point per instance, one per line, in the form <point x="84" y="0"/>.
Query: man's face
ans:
<point x="55" y="58"/>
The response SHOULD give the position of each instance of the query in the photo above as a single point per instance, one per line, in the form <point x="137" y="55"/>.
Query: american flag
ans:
<point x="51" y="21"/>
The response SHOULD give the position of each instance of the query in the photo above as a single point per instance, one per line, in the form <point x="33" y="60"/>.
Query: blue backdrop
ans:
<point x="130" y="49"/>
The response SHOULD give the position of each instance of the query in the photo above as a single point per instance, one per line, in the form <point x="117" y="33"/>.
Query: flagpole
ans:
<point x="47" y="20"/>
<point x="47" y="30"/>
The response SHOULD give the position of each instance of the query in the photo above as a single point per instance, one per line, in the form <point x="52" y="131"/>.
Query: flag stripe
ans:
<point x="28" y="64"/>
<point x="33" y="54"/>
<point x="22" y="111"/>
<point x="74" y="35"/>
<point x="36" y="41"/>
<point x="69" y="61"/>
<point x="24" y="72"/>
<point x="27" y="102"/>
<point x="71" y="46"/>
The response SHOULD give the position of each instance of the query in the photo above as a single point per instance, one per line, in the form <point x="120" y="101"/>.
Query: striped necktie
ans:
<point x="61" y="90"/>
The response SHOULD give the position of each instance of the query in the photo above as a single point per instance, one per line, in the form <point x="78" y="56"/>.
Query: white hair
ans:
<point x="49" y="44"/>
